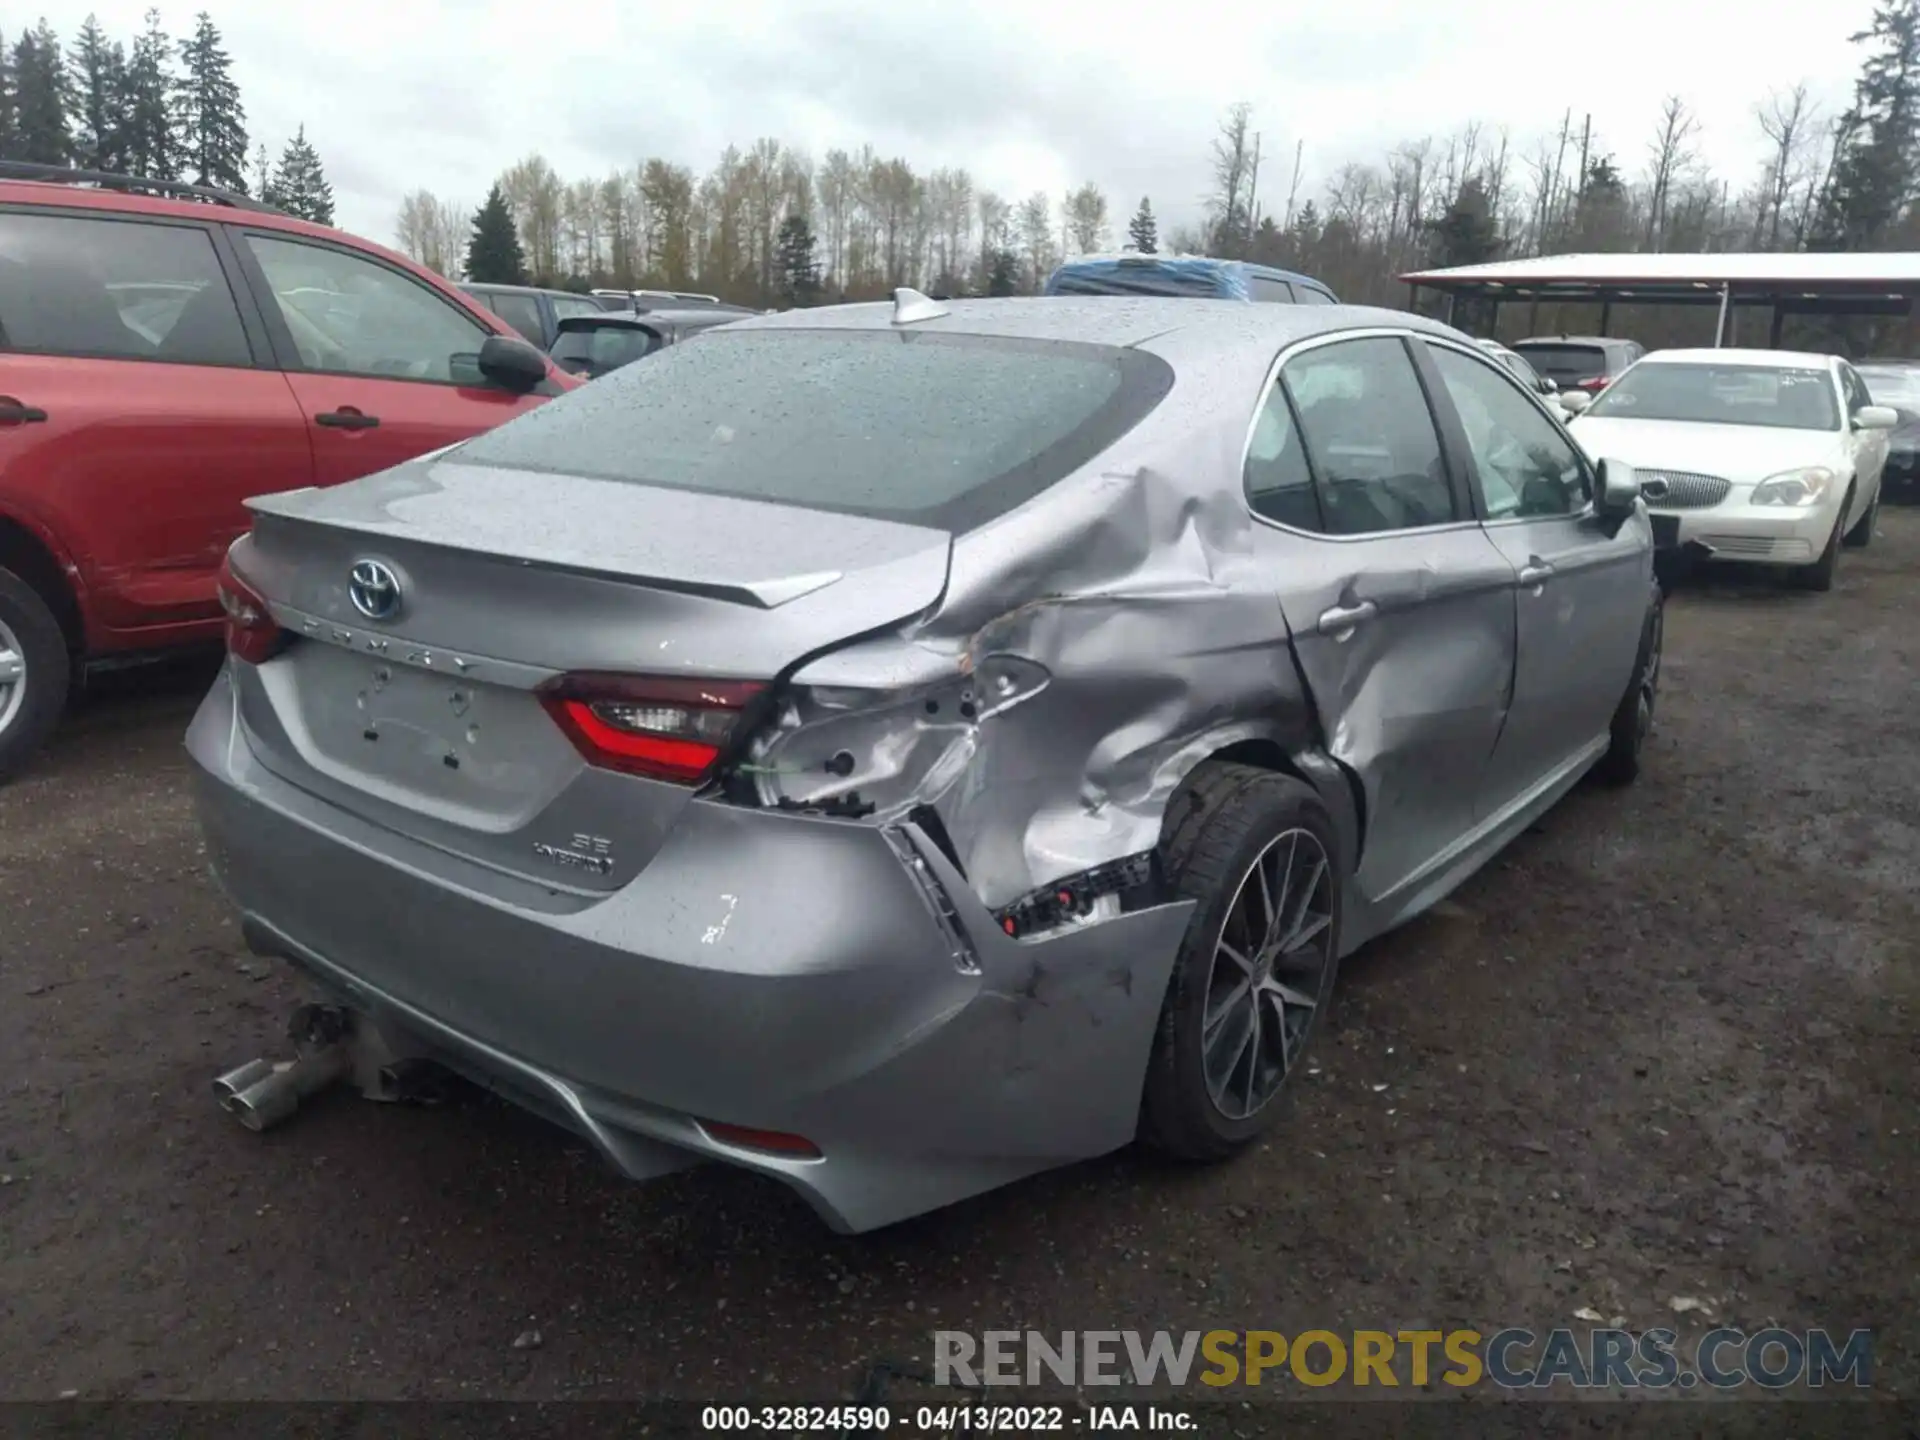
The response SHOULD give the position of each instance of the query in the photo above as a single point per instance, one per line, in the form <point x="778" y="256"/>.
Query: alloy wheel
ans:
<point x="1649" y="679"/>
<point x="13" y="677"/>
<point x="1268" y="977"/>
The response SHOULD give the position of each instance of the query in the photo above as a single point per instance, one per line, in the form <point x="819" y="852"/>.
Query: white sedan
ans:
<point x="1772" y="456"/>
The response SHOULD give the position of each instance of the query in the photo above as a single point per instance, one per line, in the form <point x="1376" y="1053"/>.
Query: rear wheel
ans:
<point x="1861" y="535"/>
<point x="34" y="673"/>
<point x="1256" y="851"/>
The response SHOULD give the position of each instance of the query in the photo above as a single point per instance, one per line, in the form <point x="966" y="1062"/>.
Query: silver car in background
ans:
<point x="900" y="748"/>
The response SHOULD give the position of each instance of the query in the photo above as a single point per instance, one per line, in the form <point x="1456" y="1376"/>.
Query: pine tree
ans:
<point x="1003" y="275"/>
<point x="300" y="185"/>
<point x="494" y="256"/>
<point x="146" y="108"/>
<point x="40" y="99"/>
<point x="1467" y="233"/>
<point x="1143" y="231"/>
<point x="97" y="69"/>
<point x="798" y="269"/>
<point x="213" y="123"/>
<point x="1876" y="168"/>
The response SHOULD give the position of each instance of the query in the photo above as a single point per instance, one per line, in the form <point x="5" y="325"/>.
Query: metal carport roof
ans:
<point x="1860" y="283"/>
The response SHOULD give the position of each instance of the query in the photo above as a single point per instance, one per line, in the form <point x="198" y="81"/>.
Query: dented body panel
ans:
<point x="913" y="915"/>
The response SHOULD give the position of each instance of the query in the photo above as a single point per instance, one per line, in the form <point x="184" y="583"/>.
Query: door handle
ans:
<point x="1340" y="621"/>
<point x="346" y="420"/>
<point x="12" y="412"/>
<point x="1536" y="573"/>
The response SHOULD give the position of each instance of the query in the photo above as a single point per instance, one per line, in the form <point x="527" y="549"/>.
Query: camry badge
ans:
<point x="374" y="590"/>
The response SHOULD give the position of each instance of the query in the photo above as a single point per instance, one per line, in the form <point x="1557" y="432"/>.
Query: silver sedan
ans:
<point x="900" y="748"/>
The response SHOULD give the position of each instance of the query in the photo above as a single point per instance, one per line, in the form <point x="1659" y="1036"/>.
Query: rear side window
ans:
<point x="522" y="312"/>
<point x="596" y="349"/>
<point x="116" y="289"/>
<point x="1370" y="437"/>
<point x="1566" y="364"/>
<point x="1272" y="292"/>
<point x="1307" y="295"/>
<point x="941" y="430"/>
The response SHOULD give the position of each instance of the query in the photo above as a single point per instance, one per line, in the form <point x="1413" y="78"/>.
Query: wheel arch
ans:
<point x="1266" y="748"/>
<point x="35" y="559"/>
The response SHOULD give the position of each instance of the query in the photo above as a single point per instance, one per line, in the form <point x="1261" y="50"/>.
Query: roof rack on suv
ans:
<point x="107" y="180"/>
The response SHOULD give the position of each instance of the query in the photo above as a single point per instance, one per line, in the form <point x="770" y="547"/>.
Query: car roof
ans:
<point x="1731" y="356"/>
<point x="1167" y="325"/>
<point x="488" y="285"/>
<point x="701" y="315"/>
<point x="1602" y="340"/>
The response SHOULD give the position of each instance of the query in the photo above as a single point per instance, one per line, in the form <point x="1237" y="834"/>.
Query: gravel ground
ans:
<point x="1665" y="1046"/>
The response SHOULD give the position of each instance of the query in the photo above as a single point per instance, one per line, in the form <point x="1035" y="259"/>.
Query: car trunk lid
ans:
<point x="429" y="719"/>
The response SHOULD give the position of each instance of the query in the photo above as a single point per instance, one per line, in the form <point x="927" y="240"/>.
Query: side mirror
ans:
<point x="1875" y="417"/>
<point x="1575" y="402"/>
<point x="1618" y="489"/>
<point x="505" y="363"/>
<point x="1549" y="385"/>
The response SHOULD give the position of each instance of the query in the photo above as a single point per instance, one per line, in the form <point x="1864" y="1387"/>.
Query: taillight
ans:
<point x="1595" y="383"/>
<point x="663" y="727"/>
<point x="253" y="635"/>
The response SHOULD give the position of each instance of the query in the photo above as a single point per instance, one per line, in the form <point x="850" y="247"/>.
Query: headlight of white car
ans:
<point x="1805" y="486"/>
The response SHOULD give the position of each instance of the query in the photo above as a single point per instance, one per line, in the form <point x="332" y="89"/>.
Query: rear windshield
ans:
<point x="1134" y="279"/>
<point x="595" y="349"/>
<point x="941" y="430"/>
<point x="1787" y="398"/>
<point x="1561" y="363"/>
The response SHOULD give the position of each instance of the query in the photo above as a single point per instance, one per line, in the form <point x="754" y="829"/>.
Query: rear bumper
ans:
<point x="767" y="970"/>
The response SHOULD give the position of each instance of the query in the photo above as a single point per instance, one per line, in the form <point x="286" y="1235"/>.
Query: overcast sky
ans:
<point x="398" y="94"/>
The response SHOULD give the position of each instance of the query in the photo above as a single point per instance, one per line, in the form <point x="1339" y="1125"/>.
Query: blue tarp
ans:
<point x="1185" y="276"/>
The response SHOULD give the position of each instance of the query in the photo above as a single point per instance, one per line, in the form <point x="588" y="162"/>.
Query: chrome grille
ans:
<point x="1682" y="489"/>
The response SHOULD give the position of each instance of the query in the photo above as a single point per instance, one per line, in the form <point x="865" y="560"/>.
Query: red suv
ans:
<point x="167" y="351"/>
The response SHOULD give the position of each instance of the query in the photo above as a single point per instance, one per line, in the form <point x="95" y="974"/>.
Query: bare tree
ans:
<point x="1671" y="157"/>
<point x="1228" y="202"/>
<point x="1035" y="225"/>
<point x="1788" y="121"/>
<point x="1086" y="216"/>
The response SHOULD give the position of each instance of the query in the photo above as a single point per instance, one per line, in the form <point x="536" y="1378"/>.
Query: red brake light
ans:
<point x="663" y="727"/>
<point x="1595" y="383"/>
<point x="253" y="635"/>
<point x="774" y="1142"/>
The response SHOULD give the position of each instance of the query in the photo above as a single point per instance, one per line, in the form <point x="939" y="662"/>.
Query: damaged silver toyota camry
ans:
<point x="900" y="748"/>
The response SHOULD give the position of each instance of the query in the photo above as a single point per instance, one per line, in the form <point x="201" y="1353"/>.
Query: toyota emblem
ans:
<point x="374" y="590"/>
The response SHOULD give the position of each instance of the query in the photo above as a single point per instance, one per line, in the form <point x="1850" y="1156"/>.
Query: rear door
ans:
<point x="139" y="407"/>
<point x="1401" y="608"/>
<point x="1581" y="593"/>
<point x="374" y="356"/>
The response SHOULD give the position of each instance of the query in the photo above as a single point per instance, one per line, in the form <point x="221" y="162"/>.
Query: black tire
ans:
<point x="27" y="720"/>
<point x="1861" y="535"/>
<point x="1220" y="822"/>
<point x="1633" y="718"/>
<point x="1819" y="575"/>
